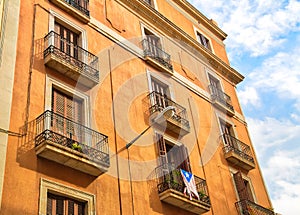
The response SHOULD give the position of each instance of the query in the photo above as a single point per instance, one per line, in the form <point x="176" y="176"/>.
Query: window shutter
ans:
<point x="49" y="205"/>
<point x="68" y="40"/>
<point x="67" y="106"/>
<point x="71" y="207"/>
<point x="81" y="209"/>
<point x="162" y="149"/>
<point x="59" y="206"/>
<point x="184" y="159"/>
<point x="70" y="108"/>
<point x="240" y="186"/>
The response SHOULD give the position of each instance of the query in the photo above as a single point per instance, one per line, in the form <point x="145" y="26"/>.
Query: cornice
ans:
<point x="147" y="13"/>
<point x="202" y="19"/>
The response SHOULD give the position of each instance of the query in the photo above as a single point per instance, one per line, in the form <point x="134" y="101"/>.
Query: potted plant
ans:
<point x="76" y="147"/>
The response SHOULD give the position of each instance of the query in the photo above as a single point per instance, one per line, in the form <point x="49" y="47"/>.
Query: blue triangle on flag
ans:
<point x="187" y="175"/>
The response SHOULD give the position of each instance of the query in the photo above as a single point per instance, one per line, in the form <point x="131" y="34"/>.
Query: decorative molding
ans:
<point x="150" y="15"/>
<point x="50" y="82"/>
<point x="210" y="24"/>
<point x="56" y="188"/>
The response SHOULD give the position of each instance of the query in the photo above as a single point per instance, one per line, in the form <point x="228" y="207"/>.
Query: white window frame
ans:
<point x="47" y="186"/>
<point x="54" y="16"/>
<point x="168" y="138"/>
<point x="196" y="30"/>
<point x="245" y="177"/>
<point x="151" y="75"/>
<point x="213" y="74"/>
<point x="143" y="27"/>
<point x="225" y="119"/>
<point x="53" y="83"/>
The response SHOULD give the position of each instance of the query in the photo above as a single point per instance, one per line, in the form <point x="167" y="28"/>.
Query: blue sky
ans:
<point x="263" y="44"/>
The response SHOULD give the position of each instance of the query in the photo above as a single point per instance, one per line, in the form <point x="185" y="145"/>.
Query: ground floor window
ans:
<point x="61" y="205"/>
<point x="59" y="199"/>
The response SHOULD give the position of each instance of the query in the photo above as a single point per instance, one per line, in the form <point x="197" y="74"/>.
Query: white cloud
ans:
<point x="279" y="159"/>
<point x="275" y="141"/>
<point x="279" y="74"/>
<point x="249" y="95"/>
<point x="262" y="28"/>
<point x="255" y="26"/>
<point x="271" y="132"/>
<point x="283" y="168"/>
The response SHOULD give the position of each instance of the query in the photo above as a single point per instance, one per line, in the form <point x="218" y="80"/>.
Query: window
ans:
<point x="175" y="156"/>
<point x="60" y="25"/>
<point x="153" y="43"/>
<point x="67" y="106"/>
<point x="228" y="134"/>
<point x="67" y="40"/>
<point x="215" y="85"/>
<point x="67" y="102"/>
<point x="161" y="93"/>
<point x="59" y="199"/>
<point x="71" y="109"/>
<point x="203" y="41"/>
<point x="62" y="205"/>
<point x="243" y="187"/>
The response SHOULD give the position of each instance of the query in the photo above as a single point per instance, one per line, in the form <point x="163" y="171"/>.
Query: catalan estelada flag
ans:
<point x="190" y="185"/>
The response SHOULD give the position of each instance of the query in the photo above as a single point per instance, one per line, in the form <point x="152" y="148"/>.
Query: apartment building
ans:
<point x="125" y="107"/>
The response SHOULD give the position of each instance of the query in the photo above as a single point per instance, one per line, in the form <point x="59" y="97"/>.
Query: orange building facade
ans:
<point x="124" y="107"/>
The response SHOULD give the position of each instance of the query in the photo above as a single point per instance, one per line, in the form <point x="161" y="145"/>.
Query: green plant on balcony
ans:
<point x="76" y="147"/>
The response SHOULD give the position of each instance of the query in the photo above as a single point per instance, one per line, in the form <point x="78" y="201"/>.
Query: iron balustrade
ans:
<point x="72" y="54"/>
<point x="65" y="132"/>
<point x="156" y="53"/>
<point x="81" y="5"/>
<point x="221" y="97"/>
<point x="158" y="102"/>
<point x="238" y="147"/>
<point x="169" y="177"/>
<point x="246" y="207"/>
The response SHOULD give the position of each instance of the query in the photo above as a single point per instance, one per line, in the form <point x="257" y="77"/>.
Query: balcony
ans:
<point x="71" y="60"/>
<point x="238" y="153"/>
<point x="170" y="187"/>
<point x="178" y="123"/>
<point x="156" y="57"/>
<point x="246" y="207"/>
<point x="77" y="8"/>
<point x="221" y="100"/>
<point x="66" y="142"/>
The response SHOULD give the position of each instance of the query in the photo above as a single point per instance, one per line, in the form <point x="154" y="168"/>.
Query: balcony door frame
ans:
<point x="198" y="31"/>
<point x="245" y="178"/>
<point x="56" y="17"/>
<point x="145" y="28"/>
<point x="224" y="119"/>
<point x="210" y="74"/>
<point x="54" y="83"/>
<point x="151" y="75"/>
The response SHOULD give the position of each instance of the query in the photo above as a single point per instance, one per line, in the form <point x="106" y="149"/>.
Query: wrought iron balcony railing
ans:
<point x="158" y="102"/>
<point x="238" y="147"/>
<point x="169" y="177"/>
<point x="246" y="207"/>
<point x="221" y="97"/>
<point x="81" y="5"/>
<point x="67" y="133"/>
<point x="157" y="54"/>
<point x="85" y="62"/>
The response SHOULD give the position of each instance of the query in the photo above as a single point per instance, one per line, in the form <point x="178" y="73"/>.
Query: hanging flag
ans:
<point x="190" y="185"/>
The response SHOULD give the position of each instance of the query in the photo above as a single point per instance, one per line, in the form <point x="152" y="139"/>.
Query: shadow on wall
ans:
<point x="27" y="158"/>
